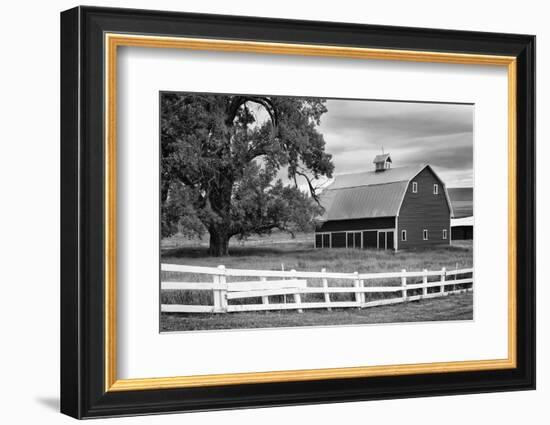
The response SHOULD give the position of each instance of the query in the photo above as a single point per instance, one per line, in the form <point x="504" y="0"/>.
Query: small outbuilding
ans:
<point x="462" y="228"/>
<point x="462" y="221"/>
<point x="387" y="208"/>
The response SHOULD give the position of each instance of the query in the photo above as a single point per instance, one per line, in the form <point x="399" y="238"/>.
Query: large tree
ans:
<point x="219" y="164"/>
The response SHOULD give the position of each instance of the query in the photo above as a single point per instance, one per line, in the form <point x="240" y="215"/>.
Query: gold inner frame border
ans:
<point x="111" y="43"/>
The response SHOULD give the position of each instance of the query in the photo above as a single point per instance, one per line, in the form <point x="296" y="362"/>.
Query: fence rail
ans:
<point x="294" y="284"/>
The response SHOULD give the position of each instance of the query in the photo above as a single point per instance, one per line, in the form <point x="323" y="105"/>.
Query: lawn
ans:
<point x="451" y="307"/>
<point x="281" y="253"/>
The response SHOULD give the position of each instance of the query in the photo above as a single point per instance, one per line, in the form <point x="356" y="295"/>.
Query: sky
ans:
<point x="441" y="135"/>
<point x="413" y="133"/>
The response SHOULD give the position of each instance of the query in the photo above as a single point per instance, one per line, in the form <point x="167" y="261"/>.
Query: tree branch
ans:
<point x="312" y="189"/>
<point x="268" y="106"/>
<point x="238" y="101"/>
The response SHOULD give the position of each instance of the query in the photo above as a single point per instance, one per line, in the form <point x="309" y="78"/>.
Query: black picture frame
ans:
<point x="83" y="392"/>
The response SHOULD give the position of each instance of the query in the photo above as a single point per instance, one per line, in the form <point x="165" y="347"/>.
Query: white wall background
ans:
<point x="29" y="217"/>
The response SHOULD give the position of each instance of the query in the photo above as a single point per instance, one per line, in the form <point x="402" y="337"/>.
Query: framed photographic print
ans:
<point x="261" y="212"/>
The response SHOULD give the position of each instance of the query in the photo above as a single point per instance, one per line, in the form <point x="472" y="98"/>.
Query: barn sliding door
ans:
<point x="370" y="239"/>
<point x="354" y="240"/>
<point x="357" y="240"/>
<point x="381" y="240"/>
<point x="385" y="239"/>
<point x="389" y="240"/>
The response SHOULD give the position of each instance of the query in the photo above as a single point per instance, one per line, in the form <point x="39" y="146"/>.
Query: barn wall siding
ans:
<point x="424" y="210"/>
<point x="358" y="224"/>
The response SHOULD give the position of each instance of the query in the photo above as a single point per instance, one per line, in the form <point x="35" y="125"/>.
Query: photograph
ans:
<point x="280" y="211"/>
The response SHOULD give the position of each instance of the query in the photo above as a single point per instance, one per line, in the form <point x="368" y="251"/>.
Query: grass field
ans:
<point x="279" y="252"/>
<point x="451" y="307"/>
<point x="275" y="253"/>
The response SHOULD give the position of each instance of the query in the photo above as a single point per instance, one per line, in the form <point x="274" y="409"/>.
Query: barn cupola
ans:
<point x="382" y="162"/>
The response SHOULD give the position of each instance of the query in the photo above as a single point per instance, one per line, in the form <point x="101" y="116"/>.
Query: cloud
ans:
<point x="414" y="133"/>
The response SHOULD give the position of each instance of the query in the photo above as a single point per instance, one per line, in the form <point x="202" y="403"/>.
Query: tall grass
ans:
<point x="300" y="255"/>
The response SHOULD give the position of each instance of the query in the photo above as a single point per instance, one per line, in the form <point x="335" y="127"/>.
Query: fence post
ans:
<point x="425" y="282"/>
<point x="325" y="286"/>
<point x="265" y="299"/>
<point x="404" y="285"/>
<point x="297" y="297"/>
<point x="443" y="273"/>
<point x="357" y="284"/>
<point x="215" y="293"/>
<point x="222" y="293"/>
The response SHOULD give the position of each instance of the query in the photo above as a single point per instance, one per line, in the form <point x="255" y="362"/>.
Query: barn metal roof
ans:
<point x="368" y="178"/>
<point x="464" y="221"/>
<point x="382" y="200"/>
<point x="367" y="194"/>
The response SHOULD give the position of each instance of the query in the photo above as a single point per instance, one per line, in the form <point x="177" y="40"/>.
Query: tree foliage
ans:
<point x="219" y="165"/>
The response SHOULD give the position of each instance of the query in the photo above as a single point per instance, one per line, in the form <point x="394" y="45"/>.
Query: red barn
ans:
<point x="388" y="208"/>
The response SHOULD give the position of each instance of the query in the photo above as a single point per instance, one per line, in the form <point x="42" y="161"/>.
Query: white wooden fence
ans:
<point x="293" y="284"/>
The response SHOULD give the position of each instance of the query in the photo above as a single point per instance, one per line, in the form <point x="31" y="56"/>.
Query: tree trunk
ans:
<point x="220" y="203"/>
<point x="219" y="241"/>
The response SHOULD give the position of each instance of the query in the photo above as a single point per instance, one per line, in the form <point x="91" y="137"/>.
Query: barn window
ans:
<point x="436" y="189"/>
<point x="415" y="187"/>
<point x="444" y="233"/>
<point x="403" y="235"/>
<point x="425" y="234"/>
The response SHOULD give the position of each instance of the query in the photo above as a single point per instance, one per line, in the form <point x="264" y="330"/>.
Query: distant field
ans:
<point x="275" y="237"/>
<point x="279" y="252"/>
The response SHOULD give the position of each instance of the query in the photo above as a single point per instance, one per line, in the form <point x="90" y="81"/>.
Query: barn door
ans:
<point x="354" y="240"/>
<point x="385" y="239"/>
<point x="370" y="239"/>
<point x="381" y="240"/>
<point x="357" y="239"/>
<point x="389" y="240"/>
